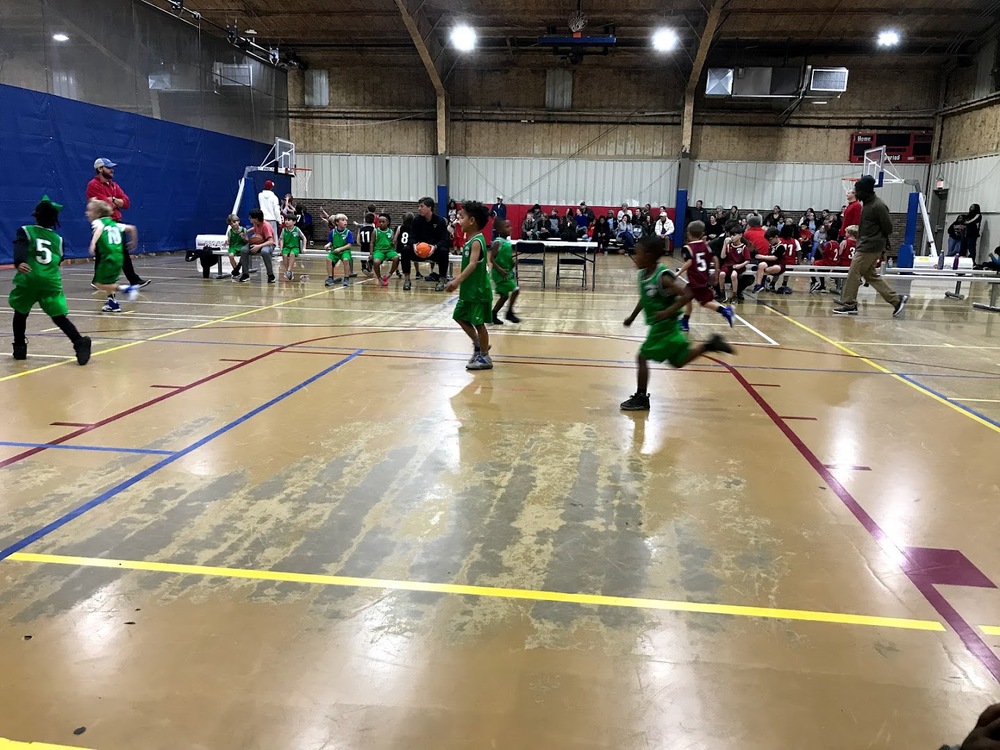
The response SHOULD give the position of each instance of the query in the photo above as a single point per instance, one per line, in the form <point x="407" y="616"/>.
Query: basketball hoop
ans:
<point x="303" y="175"/>
<point x="848" y="183"/>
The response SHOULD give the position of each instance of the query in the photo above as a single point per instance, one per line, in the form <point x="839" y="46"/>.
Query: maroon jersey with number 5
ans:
<point x="700" y="255"/>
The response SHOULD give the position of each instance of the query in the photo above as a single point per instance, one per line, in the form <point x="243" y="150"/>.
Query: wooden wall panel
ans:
<point x="774" y="144"/>
<point x="341" y="136"/>
<point x="972" y="133"/>
<point x="564" y="139"/>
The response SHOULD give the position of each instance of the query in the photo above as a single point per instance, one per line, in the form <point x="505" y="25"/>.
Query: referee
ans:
<point x="433" y="229"/>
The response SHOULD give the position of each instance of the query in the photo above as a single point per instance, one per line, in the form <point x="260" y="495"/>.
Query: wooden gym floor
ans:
<point x="285" y="517"/>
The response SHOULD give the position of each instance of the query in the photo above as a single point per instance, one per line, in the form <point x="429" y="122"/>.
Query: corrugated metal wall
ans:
<point x="794" y="187"/>
<point x="974" y="181"/>
<point x="363" y="176"/>
<point x="564" y="182"/>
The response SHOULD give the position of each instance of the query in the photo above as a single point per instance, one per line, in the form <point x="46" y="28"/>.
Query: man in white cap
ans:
<point x="270" y="205"/>
<point x="103" y="187"/>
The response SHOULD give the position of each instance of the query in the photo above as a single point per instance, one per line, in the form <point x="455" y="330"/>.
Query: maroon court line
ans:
<point x="846" y="467"/>
<point x="71" y="424"/>
<point x="925" y="567"/>
<point x="762" y="385"/>
<point x="800" y="419"/>
<point x="168" y="387"/>
<point x="232" y="360"/>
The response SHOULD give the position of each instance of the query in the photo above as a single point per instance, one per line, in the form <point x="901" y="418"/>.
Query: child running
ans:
<point x="290" y="244"/>
<point x="504" y="277"/>
<point x="106" y="244"/>
<point x="473" y="284"/>
<point x="661" y="298"/>
<point x="699" y="263"/>
<point x="38" y="251"/>
<point x="384" y="249"/>
<point x="237" y="237"/>
<point x="341" y="240"/>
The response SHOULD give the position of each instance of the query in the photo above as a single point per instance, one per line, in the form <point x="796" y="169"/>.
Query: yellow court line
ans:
<point x="978" y="400"/>
<point x="879" y="367"/>
<point x="488" y="591"/>
<point x="15" y="745"/>
<point x="118" y="348"/>
<point x="990" y="629"/>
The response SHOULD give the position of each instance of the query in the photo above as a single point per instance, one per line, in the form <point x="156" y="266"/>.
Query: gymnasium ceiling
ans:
<point x="324" y="31"/>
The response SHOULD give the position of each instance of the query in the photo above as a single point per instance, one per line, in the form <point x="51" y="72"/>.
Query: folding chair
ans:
<point x="575" y="261"/>
<point x="530" y="257"/>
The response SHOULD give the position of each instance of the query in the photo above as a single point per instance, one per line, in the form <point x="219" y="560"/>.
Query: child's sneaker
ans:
<point x="347" y="281"/>
<point x="718" y="344"/>
<point x="636" y="402"/>
<point x="270" y="279"/>
<point x="407" y="285"/>
<point x="288" y="275"/>
<point x="512" y="317"/>
<point x="244" y="279"/>
<point x="497" y="321"/>
<point x="728" y="314"/>
<point x="329" y="281"/>
<point x="131" y="291"/>
<point x="385" y="281"/>
<point x="757" y="289"/>
<point x="480" y="362"/>
<point x="686" y="323"/>
<point x="21" y="350"/>
<point x="82" y="348"/>
<point x="814" y="286"/>
<point x="111" y="306"/>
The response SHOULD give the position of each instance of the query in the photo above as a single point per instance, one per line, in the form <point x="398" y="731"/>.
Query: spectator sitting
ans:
<point x="528" y="227"/>
<point x="647" y="226"/>
<point x="772" y="263"/>
<point x="582" y="220"/>
<point x="754" y="235"/>
<point x="626" y="234"/>
<point x="713" y="229"/>
<point x="775" y="218"/>
<point x="612" y="221"/>
<point x="567" y="228"/>
<point x="602" y="234"/>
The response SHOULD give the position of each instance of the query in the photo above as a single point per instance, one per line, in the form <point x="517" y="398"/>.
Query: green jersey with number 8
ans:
<point x="45" y="253"/>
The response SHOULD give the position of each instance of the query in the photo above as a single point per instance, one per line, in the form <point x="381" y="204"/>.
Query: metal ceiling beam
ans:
<point x="704" y="44"/>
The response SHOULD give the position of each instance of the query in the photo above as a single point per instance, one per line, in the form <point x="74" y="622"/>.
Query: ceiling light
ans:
<point x="251" y="32"/>
<point x="888" y="38"/>
<point x="665" y="40"/>
<point x="463" y="38"/>
<point x="60" y="37"/>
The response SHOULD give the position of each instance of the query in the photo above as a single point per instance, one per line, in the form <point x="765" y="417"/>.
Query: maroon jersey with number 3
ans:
<point x="700" y="255"/>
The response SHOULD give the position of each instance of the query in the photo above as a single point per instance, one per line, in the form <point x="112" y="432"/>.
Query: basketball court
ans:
<point x="299" y="522"/>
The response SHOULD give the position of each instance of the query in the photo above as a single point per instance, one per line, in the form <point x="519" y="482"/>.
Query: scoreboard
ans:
<point x="901" y="148"/>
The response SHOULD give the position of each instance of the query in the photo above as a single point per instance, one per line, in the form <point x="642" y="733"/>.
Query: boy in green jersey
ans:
<point x="290" y="244"/>
<point x="108" y="245"/>
<point x="340" y="242"/>
<point x="38" y="251"/>
<point x="504" y="278"/>
<point x="473" y="309"/>
<point x="661" y="298"/>
<point x="384" y="249"/>
<point x="236" y="237"/>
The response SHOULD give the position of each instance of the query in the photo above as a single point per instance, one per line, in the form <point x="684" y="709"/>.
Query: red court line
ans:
<point x="173" y="387"/>
<point x="847" y="467"/>
<point x="802" y="419"/>
<point x="232" y="360"/>
<point x="763" y="385"/>
<point x="911" y="560"/>
<point x="71" y="424"/>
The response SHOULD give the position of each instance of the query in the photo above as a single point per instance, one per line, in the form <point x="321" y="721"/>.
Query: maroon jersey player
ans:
<point x="699" y="263"/>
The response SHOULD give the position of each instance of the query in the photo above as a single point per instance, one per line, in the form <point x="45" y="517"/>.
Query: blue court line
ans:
<point x="957" y="403"/>
<point x="527" y="357"/>
<point x="121" y="487"/>
<point x="65" y="447"/>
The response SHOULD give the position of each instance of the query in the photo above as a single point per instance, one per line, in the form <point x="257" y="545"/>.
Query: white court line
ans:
<point x="977" y="400"/>
<point x="43" y="356"/>
<point x="929" y="346"/>
<point x="755" y="329"/>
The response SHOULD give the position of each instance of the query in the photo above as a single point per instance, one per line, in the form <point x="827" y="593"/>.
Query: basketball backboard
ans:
<point x="284" y="153"/>
<point x="874" y="164"/>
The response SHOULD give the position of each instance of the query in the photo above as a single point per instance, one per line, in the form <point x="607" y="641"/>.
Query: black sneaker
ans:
<point x="21" y="350"/>
<point x="903" y="299"/>
<point x="140" y="283"/>
<point x="636" y="402"/>
<point x="718" y="344"/>
<point x="512" y="317"/>
<point x="846" y="310"/>
<point x="431" y="277"/>
<point x="82" y="348"/>
<point x="270" y="279"/>
<point x="244" y="279"/>
<point x="497" y="321"/>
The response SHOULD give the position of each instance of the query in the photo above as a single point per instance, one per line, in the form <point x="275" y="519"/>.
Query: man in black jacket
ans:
<point x="433" y="229"/>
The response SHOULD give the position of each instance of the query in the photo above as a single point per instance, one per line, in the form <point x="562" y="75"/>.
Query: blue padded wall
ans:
<point x="181" y="181"/>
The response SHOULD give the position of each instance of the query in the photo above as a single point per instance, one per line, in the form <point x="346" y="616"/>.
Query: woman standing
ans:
<point x="973" y="230"/>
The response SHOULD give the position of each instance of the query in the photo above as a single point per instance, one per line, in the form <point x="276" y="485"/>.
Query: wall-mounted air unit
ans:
<point x="830" y="80"/>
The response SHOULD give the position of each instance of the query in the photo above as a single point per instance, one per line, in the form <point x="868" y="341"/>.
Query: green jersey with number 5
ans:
<point x="111" y="243"/>
<point x="45" y="253"/>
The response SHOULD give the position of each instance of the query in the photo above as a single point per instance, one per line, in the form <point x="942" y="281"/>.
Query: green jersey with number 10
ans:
<point x="111" y="243"/>
<point x="45" y="253"/>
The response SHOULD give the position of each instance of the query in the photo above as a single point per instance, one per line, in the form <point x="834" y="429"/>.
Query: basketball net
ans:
<point x="302" y="176"/>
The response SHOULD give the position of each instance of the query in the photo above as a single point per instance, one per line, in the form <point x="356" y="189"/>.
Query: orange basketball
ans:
<point x="423" y="249"/>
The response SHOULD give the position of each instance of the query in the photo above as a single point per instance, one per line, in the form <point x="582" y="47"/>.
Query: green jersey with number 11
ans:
<point x="45" y="253"/>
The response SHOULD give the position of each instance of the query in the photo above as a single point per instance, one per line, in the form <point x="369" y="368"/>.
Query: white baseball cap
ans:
<point x="102" y="162"/>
